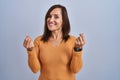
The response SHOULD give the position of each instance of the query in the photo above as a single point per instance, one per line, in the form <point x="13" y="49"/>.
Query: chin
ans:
<point x="51" y="29"/>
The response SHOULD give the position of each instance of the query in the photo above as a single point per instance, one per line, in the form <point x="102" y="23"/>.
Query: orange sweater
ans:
<point x="55" y="63"/>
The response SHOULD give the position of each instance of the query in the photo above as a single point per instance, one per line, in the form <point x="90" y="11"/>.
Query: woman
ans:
<point x="56" y="54"/>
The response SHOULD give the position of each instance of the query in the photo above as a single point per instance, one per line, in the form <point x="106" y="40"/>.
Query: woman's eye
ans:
<point x="49" y="16"/>
<point x="56" y="16"/>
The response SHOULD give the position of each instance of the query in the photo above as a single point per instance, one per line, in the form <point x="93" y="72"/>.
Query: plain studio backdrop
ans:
<point x="99" y="20"/>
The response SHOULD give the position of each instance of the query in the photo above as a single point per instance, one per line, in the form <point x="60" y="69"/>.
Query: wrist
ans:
<point x="77" y="49"/>
<point x="29" y="49"/>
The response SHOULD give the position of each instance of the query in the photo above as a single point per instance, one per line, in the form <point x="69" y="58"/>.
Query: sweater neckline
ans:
<point x="55" y="46"/>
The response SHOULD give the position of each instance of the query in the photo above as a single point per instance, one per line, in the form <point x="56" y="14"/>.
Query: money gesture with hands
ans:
<point x="28" y="43"/>
<point x="80" y="41"/>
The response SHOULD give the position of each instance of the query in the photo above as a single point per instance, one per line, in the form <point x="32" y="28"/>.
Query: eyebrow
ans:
<point x="54" y="14"/>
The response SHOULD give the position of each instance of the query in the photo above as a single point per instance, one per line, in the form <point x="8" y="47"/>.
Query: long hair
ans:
<point x="65" y="27"/>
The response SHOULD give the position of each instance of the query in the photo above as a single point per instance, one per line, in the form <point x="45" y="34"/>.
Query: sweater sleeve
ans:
<point x="76" y="59"/>
<point x="76" y="62"/>
<point x="33" y="60"/>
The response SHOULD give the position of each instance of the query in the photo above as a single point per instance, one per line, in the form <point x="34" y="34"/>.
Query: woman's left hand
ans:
<point x="80" y="41"/>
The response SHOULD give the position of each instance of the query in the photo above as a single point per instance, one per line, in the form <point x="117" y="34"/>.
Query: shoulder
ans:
<point x="71" y="41"/>
<point x="72" y="37"/>
<point x="38" y="38"/>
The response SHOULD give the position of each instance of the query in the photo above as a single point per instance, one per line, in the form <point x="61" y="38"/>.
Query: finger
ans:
<point x="77" y="43"/>
<point x="83" y="37"/>
<point x="26" y="41"/>
<point x="31" y="44"/>
<point x="80" y="41"/>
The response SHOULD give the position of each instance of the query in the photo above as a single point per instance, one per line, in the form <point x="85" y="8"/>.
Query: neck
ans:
<point x="57" y="34"/>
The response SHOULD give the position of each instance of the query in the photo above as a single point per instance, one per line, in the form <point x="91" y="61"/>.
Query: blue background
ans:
<point x="99" y="20"/>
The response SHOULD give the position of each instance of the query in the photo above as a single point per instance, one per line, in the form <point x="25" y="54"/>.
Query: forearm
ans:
<point x="76" y="62"/>
<point x="33" y="61"/>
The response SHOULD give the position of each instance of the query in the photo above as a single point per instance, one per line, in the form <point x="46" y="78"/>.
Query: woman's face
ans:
<point x="54" y="20"/>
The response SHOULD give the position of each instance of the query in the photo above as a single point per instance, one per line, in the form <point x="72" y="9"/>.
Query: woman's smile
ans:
<point x="51" y="24"/>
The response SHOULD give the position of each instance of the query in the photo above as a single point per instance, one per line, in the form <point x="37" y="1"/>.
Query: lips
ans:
<point x="51" y="24"/>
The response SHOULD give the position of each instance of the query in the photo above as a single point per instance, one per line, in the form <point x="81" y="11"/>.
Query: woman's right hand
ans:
<point x="28" y="43"/>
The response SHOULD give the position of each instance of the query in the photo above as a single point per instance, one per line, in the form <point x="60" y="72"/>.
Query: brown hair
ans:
<point x="65" y="27"/>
